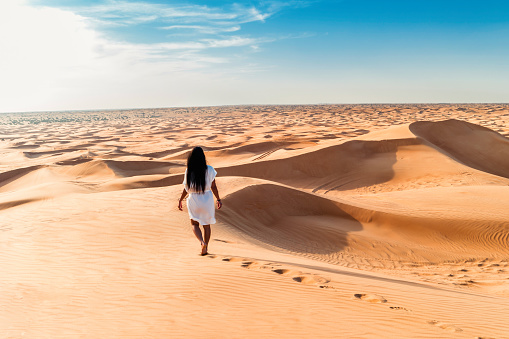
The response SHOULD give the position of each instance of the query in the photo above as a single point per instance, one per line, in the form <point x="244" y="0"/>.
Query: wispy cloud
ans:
<point x="195" y="19"/>
<point x="202" y="29"/>
<point x="176" y="52"/>
<point x="192" y="29"/>
<point x="132" y="13"/>
<point x="197" y="27"/>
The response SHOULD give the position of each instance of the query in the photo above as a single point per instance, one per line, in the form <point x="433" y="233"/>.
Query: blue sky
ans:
<point x="75" y="54"/>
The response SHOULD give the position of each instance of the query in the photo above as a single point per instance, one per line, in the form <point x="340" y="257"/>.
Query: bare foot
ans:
<point x="204" y="249"/>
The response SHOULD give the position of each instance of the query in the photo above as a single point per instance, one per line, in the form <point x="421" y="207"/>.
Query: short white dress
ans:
<point x="200" y="205"/>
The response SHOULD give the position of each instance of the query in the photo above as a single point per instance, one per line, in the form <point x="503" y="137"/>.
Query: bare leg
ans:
<point x="197" y="233"/>
<point x="206" y="229"/>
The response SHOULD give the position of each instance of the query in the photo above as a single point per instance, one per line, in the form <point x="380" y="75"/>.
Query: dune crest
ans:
<point x="473" y="145"/>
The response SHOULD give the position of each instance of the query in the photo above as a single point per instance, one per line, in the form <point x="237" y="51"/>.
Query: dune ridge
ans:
<point x="475" y="146"/>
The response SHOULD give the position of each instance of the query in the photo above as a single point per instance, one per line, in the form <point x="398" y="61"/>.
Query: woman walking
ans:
<point x="199" y="183"/>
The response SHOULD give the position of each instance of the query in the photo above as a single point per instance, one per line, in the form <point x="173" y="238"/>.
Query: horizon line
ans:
<point x="247" y="105"/>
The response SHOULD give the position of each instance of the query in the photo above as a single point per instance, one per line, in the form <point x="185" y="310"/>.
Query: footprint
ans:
<point x="233" y="259"/>
<point x="281" y="271"/>
<point x="465" y="283"/>
<point x="371" y="298"/>
<point x="450" y="328"/>
<point x="256" y="265"/>
<point x="321" y="280"/>
<point x="298" y="276"/>
<point x="312" y="279"/>
<point x="399" y="308"/>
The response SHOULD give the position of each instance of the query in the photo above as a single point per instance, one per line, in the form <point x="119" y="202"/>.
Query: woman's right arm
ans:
<point x="214" y="190"/>
<point x="184" y="194"/>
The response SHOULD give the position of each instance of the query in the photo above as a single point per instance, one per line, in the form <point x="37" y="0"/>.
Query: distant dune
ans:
<point x="339" y="221"/>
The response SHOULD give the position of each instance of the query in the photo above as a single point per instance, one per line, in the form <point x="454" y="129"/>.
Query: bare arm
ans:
<point x="184" y="194"/>
<point x="214" y="190"/>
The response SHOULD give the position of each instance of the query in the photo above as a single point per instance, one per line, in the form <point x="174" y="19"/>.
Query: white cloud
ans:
<point x="257" y="15"/>
<point x="203" y="29"/>
<point x="132" y="13"/>
<point x="58" y="58"/>
<point x="38" y="46"/>
<point x="52" y="58"/>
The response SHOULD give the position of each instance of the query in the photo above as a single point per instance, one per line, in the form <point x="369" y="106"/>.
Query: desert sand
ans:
<point x="339" y="221"/>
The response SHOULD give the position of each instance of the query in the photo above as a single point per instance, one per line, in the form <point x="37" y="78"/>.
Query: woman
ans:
<point x="200" y="183"/>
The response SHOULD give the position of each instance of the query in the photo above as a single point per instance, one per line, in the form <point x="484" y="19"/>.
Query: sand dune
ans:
<point x="9" y="176"/>
<point x="475" y="146"/>
<point x="326" y="229"/>
<point x="289" y="219"/>
<point x="392" y="161"/>
<point x="348" y="221"/>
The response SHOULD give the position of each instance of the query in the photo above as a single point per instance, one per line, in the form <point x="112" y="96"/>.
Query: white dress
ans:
<point x="200" y="205"/>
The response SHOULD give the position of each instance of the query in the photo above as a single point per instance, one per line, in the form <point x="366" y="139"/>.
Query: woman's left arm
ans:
<point x="214" y="190"/>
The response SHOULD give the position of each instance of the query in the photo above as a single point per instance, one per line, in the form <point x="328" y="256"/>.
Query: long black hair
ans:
<point x="196" y="169"/>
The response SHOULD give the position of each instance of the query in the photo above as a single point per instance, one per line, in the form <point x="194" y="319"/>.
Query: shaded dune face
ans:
<point x="350" y="165"/>
<point x="289" y="219"/>
<point x="473" y="145"/>
<point x="12" y="175"/>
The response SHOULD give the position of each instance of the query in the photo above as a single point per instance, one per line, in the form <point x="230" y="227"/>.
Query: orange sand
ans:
<point x="345" y="221"/>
